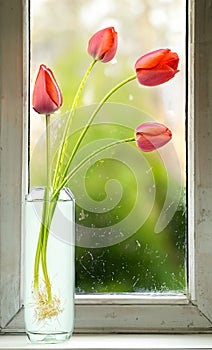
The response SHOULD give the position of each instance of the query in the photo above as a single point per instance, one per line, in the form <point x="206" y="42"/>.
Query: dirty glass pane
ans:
<point x="130" y="205"/>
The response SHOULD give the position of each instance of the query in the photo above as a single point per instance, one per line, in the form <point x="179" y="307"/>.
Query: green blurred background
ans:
<point x="121" y="193"/>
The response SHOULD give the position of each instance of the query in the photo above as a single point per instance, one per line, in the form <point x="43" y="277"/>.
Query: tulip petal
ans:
<point x="159" y="75"/>
<point x="111" y="49"/>
<point x="172" y="60"/>
<point x="53" y="89"/>
<point x="151" y="59"/>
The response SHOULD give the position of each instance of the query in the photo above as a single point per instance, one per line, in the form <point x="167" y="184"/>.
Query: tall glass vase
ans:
<point x="49" y="261"/>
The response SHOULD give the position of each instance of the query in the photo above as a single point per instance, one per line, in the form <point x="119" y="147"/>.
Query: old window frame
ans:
<point x="120" y="313"/>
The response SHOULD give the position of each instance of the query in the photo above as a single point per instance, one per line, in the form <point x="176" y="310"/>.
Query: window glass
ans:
<point x="130" y="205"/>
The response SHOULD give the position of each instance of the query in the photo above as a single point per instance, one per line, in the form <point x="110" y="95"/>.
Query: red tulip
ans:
<point x="151" y="136"/>
<point x="102" y="46"/>
<point x="47" y="97"/>
<point x="157" y="67"/>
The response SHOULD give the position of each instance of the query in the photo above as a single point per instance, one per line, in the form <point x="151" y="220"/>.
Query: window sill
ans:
<point x="115" y="341"/>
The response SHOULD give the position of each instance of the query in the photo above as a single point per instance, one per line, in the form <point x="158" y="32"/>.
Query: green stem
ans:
<point x="64" y="143"/>
<point x="85" y="160"/>
<point x="38" y="252"/>
<point x="40" y="241"/>
<point x="101" y="103"/>
<point x="46" y="204"/>
<point x="48" y="147"/>
<point x="44" y="230"/>
<point x="44" y="260"/>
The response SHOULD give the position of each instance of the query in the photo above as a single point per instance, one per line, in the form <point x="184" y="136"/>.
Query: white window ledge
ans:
<point x="115" y="341"/>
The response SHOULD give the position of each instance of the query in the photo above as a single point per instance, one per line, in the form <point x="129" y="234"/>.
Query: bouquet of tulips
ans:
<point x="151" y="69"/>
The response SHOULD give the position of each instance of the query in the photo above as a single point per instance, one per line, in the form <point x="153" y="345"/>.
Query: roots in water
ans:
<point x="44" y="308"/>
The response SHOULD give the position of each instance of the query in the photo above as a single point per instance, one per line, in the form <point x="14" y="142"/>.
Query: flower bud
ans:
<point x="47" y="97"/>
<point x="156" y="67"/>
<point x="151" y="136"/>
<point x="102" y="46"/>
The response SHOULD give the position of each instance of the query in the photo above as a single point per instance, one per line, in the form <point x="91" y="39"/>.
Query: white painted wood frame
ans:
<point x="119" y="313"/>
<point x="13" y="151"/>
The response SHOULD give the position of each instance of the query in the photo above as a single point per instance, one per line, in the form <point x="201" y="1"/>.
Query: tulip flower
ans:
<point x="156" y="67"/>
<point x="47" y="97"/>
<point x="102" y="46"/>
<point x="151" y="136"/>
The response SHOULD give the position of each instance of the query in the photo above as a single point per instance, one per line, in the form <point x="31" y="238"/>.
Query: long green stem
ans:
<point x="85" y="160"/>
<point x="46" y="203"/>
<point x="43" y="234"/>
<point x="48" y="147"/>
<point x="101" y="103"/>
<point x="64" y="143"/>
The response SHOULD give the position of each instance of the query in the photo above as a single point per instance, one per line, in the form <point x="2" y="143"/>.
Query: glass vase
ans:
<point x="49" y="266"/>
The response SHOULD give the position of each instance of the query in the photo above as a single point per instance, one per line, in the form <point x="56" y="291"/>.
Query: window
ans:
<point x="120" y="313"/>
<point x="131" y="210"/>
